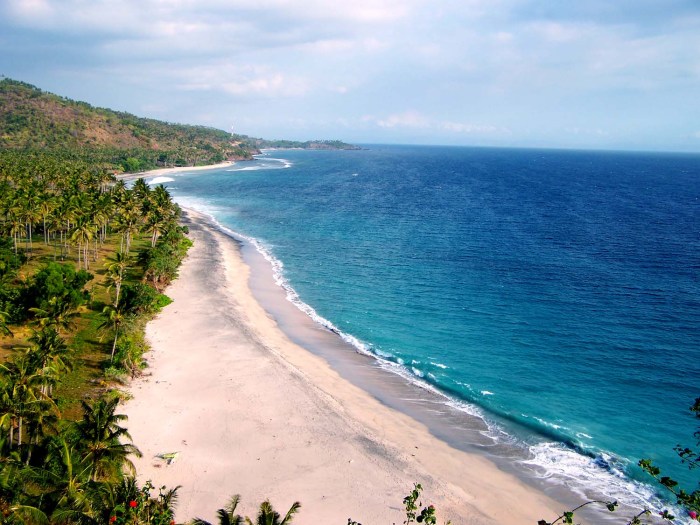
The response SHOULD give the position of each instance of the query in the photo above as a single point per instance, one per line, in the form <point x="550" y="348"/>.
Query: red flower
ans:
<point x="112" y="519"/>
<point x="132" y="504"/>
<point x="172" y="522"/>
<point x="693" y="515"/>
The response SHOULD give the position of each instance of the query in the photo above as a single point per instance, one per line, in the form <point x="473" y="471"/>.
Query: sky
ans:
<point x="593" y="74"/>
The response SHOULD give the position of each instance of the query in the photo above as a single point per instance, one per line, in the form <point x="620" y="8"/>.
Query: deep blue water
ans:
<point x="555" y="289"/>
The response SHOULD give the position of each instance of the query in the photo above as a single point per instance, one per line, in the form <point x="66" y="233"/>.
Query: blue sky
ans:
<point x="613" y="74"/>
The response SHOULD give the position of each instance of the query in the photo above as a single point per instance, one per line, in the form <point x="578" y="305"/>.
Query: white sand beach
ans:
<point x="168" y="171"/>
<point x="250" y="412"/>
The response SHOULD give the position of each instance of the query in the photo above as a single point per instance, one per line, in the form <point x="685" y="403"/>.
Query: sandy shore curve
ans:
<point x="249" y="412"/>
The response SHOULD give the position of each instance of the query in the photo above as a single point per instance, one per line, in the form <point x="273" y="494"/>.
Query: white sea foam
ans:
<point x="285" y="163"/>
<point x="417" y="372"/>
<point x="159" y="180"/>
<point x="440" y="365"/>
<point x="552" y="461"/>
<point x="601" y="477"/>
<point x="276" y="164"/>
<point x="545" y="423"/>
<point x="201" y="205"/>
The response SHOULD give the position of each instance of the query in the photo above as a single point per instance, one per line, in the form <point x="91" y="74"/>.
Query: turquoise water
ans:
<point x="555" y="291"/>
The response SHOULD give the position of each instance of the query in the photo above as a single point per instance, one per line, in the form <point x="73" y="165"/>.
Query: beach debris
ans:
<point x="168" y="457"/>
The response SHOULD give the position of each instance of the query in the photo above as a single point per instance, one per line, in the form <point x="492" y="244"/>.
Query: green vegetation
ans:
<point x="74" y="297"/>
<point x="688" y="501"/>
<point x="309" y="144"/>
<point x="33" y="120"/>
<point x="83" y="263"/>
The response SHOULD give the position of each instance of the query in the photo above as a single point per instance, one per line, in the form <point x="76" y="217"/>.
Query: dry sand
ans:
<point x="167" y="171"/>
<point x="249" y="412"/>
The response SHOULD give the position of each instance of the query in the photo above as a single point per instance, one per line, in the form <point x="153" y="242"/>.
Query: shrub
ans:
<point x="58" y="280"/>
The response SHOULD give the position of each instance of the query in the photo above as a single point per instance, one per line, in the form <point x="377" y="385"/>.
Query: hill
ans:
<point x="32" y="119"/>
<point x="309" y="144"/>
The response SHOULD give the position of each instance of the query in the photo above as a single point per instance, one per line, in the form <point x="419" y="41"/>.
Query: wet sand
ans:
<point x="250" y="412"/>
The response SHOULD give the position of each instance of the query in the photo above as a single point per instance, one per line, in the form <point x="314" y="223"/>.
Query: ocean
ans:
<point x="554" y="294"/>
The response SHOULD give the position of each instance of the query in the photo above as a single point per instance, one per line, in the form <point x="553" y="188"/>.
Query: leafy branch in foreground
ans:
<point x="413" y="505"/>
<point x="690" y="501"/>
<point x="267" y="515"/>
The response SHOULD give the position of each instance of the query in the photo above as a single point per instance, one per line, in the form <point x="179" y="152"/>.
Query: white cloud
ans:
<point x="477" y="129"/>
<point x="242" y="81"/>
<point x="472" y="68"/>
<point x="595" y="132"/>
<point x="26" y="11"/>
<point x="415" y="120"/>
<point x="408" y="119"/>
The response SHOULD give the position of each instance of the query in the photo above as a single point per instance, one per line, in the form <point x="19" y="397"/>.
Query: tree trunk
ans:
<point x="118" y="287"/>
<point x="114" y="344"/>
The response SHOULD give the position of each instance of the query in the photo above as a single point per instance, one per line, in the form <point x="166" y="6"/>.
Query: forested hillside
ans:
<point x="32" y="119"/>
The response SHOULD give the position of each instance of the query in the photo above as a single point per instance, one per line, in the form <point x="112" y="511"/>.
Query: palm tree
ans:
<point x="82" y="234"/>
<point x="50" y="352"/>
<point x="160" y="212"/>
<point x="22" y="387"/>
<point x="102" y="440"/>
<point x="269" y="516"/>
<point x="114" y="317"/>
<point x="226" y="515"/>
<point x="127" y="224"/>
<point x="15" y="226"/>
<point x="30" y="212"/>
<point x="42" y="421"/>
<point x="46" y="206"/>
<point x="116" y="266"/>
<point x="58" y="313"/>
<point x="69" y="484"/>
<point x="141" y="190"/>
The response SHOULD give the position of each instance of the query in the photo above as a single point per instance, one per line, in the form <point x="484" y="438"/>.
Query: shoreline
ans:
<point x="167" y="171"/>
<point x="251" y="412"/>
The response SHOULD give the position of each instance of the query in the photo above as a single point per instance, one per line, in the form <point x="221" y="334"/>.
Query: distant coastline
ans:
<point x="166" y="171"/>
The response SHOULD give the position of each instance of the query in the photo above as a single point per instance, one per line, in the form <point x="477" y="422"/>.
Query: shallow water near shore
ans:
<point x="547" y="302"/>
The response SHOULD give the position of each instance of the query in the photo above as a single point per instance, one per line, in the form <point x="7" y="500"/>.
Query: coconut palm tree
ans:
<point x="104" y="445"/>
<point x="128" y="224"/>
<point x="15" y="226"/>
<point x="50" y="352"/>
<point x="68" y="485"/>
<point x="269" y="516"/>
<point x="82" y="234"/>
<point x="116" y="266"/>
<point x="21" y="384"/>
<point x="30" y="212"/>
<point x="47" y="204"/>
<point x="58" y="313"/>
<point x="227" y="515"/>
<point x="113" y="317"/>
